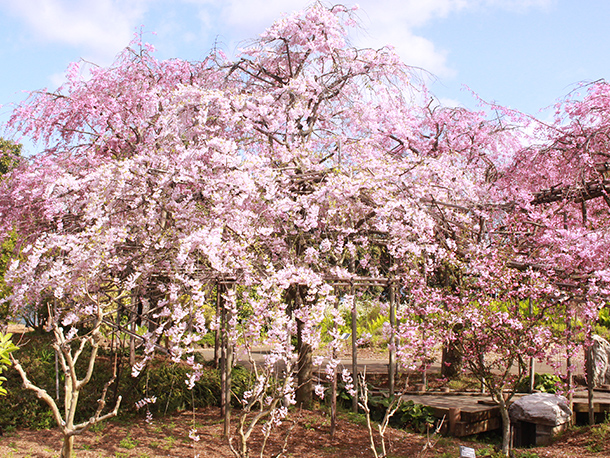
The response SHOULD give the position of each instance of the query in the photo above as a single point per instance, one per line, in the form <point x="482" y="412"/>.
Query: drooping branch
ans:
<point x="587" y="191"/>
<point x="40" y="393"/>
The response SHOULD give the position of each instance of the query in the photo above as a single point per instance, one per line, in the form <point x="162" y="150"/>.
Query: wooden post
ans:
<point x="228" y="381"/>
<point x="569" y="374"/>
<point x="532" y="361"/>
<point x="223" y="353"/>
<point x="569" y="327"/>
<point x="333" y="399"/>
<point x="424" y="373"/>
<point x="354" y="346"/>
<point x="132" y="327"/>
<point x="225" y="364"/>
<point x="454" y="416"/>
<point x="590" y="384"/>
<point x="217" y="332"/>
<point x="392" y="343"/>
<point x="304" y="365"/>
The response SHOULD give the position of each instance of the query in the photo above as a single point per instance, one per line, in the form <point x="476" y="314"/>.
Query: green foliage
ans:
<point x="602" y="327"/>
<point x="604" y="317"/>
<point x="356" y="418"/>
<point x="129" y="443"/>
<point x="6" y="347"/>
<point x="21" y="408"/>
<point x="10" y="155"/>
<point x="7" y="248"/>
<point x="490" y="451"/>
<point x="545" y="383"/>
<point x="598" y="439"/>
<point x="165" y="380"/>
<point x="369" y="325"/>
<point x="525" y="454"/>
<point x="416" y="417"/>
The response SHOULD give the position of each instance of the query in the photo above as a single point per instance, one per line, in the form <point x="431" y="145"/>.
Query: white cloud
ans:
<point x="57" y="79"/>
<point x="386" y="22"/>
<point x="103" y="27"/>
<point x="259" y="14"/>
<point x="450" y="103"/>
<point x="392" y="22"/>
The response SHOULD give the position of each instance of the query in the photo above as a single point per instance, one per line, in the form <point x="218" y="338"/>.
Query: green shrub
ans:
<point x="545" y="383"/>
<point x="162" y="378"/>
<point x="416" y="417"/>
<point x="370" y="323"/>
<point x="6" y="348"/>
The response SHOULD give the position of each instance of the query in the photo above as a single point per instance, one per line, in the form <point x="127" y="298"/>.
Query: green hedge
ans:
<point x="161" y="378"/>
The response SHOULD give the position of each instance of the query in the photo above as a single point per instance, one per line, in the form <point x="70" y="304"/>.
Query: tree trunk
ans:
<point x="67" y="448"/>
<point x="506" y="436"/>
<point x="452" y="361"/>
<point x="305" y="369"/>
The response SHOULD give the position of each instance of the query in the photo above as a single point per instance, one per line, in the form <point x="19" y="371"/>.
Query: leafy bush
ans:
<point x="162" y="378"/>
<point x="21" y="407"/>
<point x="370" y="324"/>
<point x="416" y="417"/>
<point x="6" y="347"/>
<point x="545" y="383"/>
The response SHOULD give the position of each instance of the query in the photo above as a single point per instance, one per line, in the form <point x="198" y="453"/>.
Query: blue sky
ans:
<point x="520" y="53"/>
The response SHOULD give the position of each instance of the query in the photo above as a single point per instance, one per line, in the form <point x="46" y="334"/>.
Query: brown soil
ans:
<point x="168" y="437"/>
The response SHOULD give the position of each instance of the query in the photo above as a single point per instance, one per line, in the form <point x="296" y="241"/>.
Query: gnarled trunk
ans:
<point x="305" y="370"/>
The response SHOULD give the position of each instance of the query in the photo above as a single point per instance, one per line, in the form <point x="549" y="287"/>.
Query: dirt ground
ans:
<point x="310" y="438"/>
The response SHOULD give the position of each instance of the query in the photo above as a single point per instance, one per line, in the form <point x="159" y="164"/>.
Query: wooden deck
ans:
<point x="472" y="413"/>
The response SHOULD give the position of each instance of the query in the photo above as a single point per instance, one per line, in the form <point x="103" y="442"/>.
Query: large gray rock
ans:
<point x="541" y="408"/>
<point x="601" y="361"/>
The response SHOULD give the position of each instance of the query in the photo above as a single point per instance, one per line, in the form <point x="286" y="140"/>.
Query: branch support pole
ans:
<point x="392" y="343"/>
<point x="333" y="399"/>
<point x="354" y="347"/>
<point x="226" y="362"/>
<point x="532" y="360"/>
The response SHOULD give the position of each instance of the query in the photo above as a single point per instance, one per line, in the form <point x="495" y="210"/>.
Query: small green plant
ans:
<point x="356" y="418"/>
<point x="525" y="454"/>
<point x="600" y="434"/>
<point x="129" y="443"/>
<point x="489" y="451"/>
<point x="416" y="416"/>
<point x="98" y="427"/>
<point x="171" y="441"/>
<point x="595" y="447"/>
<point x="309" y="425"/>
<point x="463" y="383"/>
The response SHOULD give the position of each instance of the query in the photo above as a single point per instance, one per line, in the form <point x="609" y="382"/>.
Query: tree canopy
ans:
<point x="303" y="162"/>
